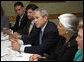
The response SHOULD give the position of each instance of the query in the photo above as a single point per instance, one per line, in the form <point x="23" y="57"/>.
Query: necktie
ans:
<point x="40" y="38"/>
<point x="20" y="21"/>
<point x="30" y="28"/>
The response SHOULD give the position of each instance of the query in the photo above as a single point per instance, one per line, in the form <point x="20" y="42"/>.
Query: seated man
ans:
<point x="21" y="18"/>
<point x="45" y="40"/>
<point x="28" y="30"/>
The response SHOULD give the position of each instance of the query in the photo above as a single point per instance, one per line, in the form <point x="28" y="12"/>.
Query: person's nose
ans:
<point x="77" y="38"/>
<point x="35" y="20"/>
<point x="28" y="14"/>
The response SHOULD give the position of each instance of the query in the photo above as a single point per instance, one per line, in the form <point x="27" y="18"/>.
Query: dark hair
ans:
<point x="2" y="11"/>
<point x="31" y="6"/>
<point x="18" y="4"/>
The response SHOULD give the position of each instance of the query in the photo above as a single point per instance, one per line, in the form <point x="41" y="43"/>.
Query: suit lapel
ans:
<point x="45" y="31"/>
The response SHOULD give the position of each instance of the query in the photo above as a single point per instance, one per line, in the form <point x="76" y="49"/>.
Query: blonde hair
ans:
<point x="80" y="24"/>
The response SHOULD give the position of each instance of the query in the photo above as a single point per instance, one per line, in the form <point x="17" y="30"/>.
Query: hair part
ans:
<point x="31" y="6"/>
<point x="18" y="4"/>
<point x="2" y="12"/>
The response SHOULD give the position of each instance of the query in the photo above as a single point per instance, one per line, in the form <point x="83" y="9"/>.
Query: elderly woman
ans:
<point x="67" y="46"/>
<point x="79" y="53"/>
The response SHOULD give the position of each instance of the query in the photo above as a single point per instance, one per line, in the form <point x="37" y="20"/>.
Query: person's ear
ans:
<point x="45" y="18"/>
<point x="66" y="32"/>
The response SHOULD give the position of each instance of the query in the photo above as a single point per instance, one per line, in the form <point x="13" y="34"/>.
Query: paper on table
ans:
<point x="4" y="37"/>
<point x="1" y="33"/>
<point x="11" y="55"/>
<point x="4" y="47"/>
<point x="24" y="57"/>
<point x="3" y="53"/>
<point x="16" y="56"/>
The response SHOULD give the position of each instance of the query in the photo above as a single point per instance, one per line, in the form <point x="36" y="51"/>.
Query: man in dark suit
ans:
<point x="25" y="33"/>
<point x="21" y="18"/>
<point x="45" y="40"/>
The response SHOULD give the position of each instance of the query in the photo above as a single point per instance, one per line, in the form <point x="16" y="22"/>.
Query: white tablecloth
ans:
<point x="7" y="54"/>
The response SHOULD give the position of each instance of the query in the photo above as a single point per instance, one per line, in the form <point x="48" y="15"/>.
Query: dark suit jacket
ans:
<point x="49" y="40"/>
<point x="34" y="32"/>
<point x="24" y="33"/>
<point x="24" y="20"/>
<point x="4" y="22"/>
<point x="25" y="29"/>
<point x="64" y="53"/>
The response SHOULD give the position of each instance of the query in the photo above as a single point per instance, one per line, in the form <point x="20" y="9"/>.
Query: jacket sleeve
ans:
<point x="49" y="41"/>
<point x="14" y="28"/>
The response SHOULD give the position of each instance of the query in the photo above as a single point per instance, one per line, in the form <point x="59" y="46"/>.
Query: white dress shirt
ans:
<point x="20" y="19"/>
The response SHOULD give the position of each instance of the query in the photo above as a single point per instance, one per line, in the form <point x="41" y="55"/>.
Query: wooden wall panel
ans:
<point x="51" y="16"/>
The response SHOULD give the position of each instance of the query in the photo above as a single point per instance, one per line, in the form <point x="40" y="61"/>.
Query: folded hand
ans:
<point x="35" y="57"/>
<point x="17" y="35"/>
<point x="12" y="39"/>
<point x="16" y="46"/>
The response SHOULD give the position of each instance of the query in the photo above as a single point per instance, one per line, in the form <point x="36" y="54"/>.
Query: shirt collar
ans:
<point x="42" y="29"/>
<point x="32" y="22"/>
<point x="21" y="16"/>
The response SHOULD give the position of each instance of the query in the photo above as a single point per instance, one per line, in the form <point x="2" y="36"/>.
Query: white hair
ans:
<point x="69" y="21"/>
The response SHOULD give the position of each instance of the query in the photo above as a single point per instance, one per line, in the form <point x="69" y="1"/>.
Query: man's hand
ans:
<point x="12" y="39"/>
<point x="17" y="35"/>
<point x="35" y="57"/>
<point x="16" y="46"/>
<point x="8" y="31"/>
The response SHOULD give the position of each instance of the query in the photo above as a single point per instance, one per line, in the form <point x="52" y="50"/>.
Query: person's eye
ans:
<point x="37" y="17"/>
<point x="19" y="9"/>
<point x="79" y="36"/>
<point x="30" y="12"/>
<point x="59" y="25"/>
<point x="34" y="18"/>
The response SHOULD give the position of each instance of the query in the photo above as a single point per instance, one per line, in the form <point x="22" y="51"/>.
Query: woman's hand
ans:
<point x="35" y="57"/>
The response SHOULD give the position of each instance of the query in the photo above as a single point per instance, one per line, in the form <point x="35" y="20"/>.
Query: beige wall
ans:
<point x="53" y="8"/>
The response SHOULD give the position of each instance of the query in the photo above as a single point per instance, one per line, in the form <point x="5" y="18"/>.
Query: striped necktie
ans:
<point x="30" y="29"/>
<point x="20" y="20"/>
<point x="40" y="38"/>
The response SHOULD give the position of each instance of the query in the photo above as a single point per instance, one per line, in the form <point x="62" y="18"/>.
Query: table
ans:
<point x="7" y="54"/>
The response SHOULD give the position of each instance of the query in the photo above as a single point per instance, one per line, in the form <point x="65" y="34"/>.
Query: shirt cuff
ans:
<point x="22" y="48"/>
<point x="21" y="42"/>
<point x="11" y="31"/>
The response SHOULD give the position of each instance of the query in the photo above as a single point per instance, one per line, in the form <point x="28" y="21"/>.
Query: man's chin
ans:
<point x="37" y="27"/>
<point x="29" y="18"/>
<point x="19" y="14"/>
